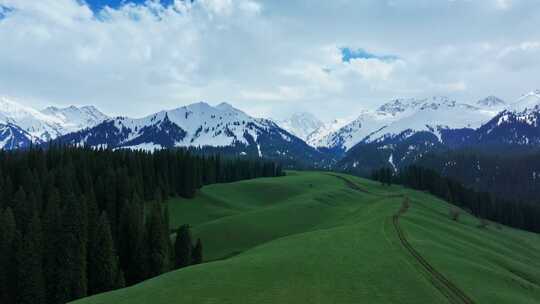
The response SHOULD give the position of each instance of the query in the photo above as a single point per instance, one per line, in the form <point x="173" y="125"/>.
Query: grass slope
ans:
<point x="310" y="238"/>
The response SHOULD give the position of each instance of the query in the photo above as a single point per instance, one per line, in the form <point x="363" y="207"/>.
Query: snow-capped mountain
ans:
<point x="76" y="118"/>
<point x="317" y="137"/>
<point x="399" y="115"/>
<point x="441" y="124"/>
<point x="526" y="103"/>
<point x="517" y="124"/>
<point x="35" y="126"/>
<point x="409" y="128"/>
<point x="41" y="127"/>
<point x="434" y="115"/>
<point x="301" y="124"/>
<point x="13" y="137"/>
<point x="491" y="102"/>
<point x="198" y="125"/>
<point x="352" y="133"/>
<point x="368" y="122"/>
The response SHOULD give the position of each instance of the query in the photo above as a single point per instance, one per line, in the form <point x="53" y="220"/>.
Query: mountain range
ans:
<point x="21" y="126"/>
<point x="395" y="134"/>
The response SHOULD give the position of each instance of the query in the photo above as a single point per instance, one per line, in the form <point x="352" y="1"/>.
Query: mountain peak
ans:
<point x="225" y="106"/>
<point x="527" y="102"/>
<point x="301" y="124"/>
<point x="436" y="102"/>
<point x="491" y="101"/>
<point x="200" y="104"/>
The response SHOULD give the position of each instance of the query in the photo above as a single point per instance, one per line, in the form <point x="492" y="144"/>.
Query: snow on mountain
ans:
<point x="518" y="124"/>
<point x="13" y="137"/>
<point x="41" y="127"/>
<point x="527" y="102"/>
<point x="198" y="125"/>
<point x="301" y="125"/>
<point x="36" y="126"/>
<point x="354" y="132"/>
<point x="491" y="102"/>
<point x="434" y="115"/>
<point x="441" y="124"/>
<point x="76" y="118"/>
<point x="371" y="122"/>
<point x="412" y="115"/>
<point x="201" y="124"/>
<point x="318" y="137"/>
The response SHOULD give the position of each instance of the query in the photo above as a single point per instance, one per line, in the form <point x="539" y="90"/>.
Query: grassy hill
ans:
<point x="315" y="238"/>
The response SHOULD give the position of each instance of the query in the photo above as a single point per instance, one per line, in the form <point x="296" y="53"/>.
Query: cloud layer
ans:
<point x="267" y="57"/>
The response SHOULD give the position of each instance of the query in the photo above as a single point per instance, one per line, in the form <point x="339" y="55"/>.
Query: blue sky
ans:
<point x="348" y="54"/>
<point x="97" y="5"/>
<point x="267" y="57"/>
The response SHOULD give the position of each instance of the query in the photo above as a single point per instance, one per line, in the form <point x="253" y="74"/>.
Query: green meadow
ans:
<point x="309" y="237"/>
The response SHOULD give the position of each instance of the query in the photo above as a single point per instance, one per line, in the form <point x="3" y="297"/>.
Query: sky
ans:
<point x="268" y="58"/>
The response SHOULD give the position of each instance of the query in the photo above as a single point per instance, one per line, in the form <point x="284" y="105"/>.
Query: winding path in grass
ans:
<point x="453" y="293"/>
<point x="445" y="286"/>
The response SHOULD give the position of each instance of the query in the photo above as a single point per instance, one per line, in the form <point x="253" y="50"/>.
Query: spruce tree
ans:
<point x="8" y="232"/>
<point x="197" y="254"/>
<point x="158" y="255"/>
<point x="92" y="213"/>
<point x="73" y="278"/>
<point x="131" y="246"/>
<point x="52" y="227"/>
<point x="183" y="247"/>
<point x="105" y="261"/>
<point x="23" y="209"/>
<point x="30" y="280"/>
<point x="120" y="279"/>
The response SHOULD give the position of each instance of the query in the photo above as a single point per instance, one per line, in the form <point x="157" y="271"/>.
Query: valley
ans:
<point x="321" y="238"/>
<point x="269" y="152"/>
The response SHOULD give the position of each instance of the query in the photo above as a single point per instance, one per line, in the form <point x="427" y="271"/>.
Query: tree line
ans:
<point x="515" y="213"/>
<point x="511" y="175"/>
<point x="76" y="222"/>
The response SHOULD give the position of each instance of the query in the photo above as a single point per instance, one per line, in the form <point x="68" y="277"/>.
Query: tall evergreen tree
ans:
<point x="131" y="246"/>
<point x="92" y="213"/>
<point x="183" y="247"/>
<point x="73" y="279"/>
<point x="23" y="209"/>
<point x="30" y="280"/>
<point x="8" y="232"/>
<point x="52" y="228"/>
<point x="197" y="254"/>
<point x="158" y="255"/>
<point x="105" y="260"/>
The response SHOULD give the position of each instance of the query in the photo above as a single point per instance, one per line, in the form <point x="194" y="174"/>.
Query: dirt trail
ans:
<point x="445" y="286"/>
<point x="453" y="293"/>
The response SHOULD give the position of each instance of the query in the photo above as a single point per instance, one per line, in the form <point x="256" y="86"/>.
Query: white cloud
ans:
<point x="373" y="69"/>
<point x="503" y="4"/>
<point x="218" y="7"/>
<point x="264" y="56"/>
<point x="281" y="93"/>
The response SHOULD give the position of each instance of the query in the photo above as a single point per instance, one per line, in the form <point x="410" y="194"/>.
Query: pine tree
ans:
<point x="23" y="209"/>
<point x="158" y="254"/>
<point x="73" y="279"/>
<point x="182" y="247"/>
<point x="52" y="230"/>
<point x="197" y="254"/>
<point x="8" y="233"/>
<point x="92" y="213"/>
<point x="131" y="246"/>
<point x="120" y="279"/>
<point x="30" y="280"/>
<point x="105" y="261"/>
